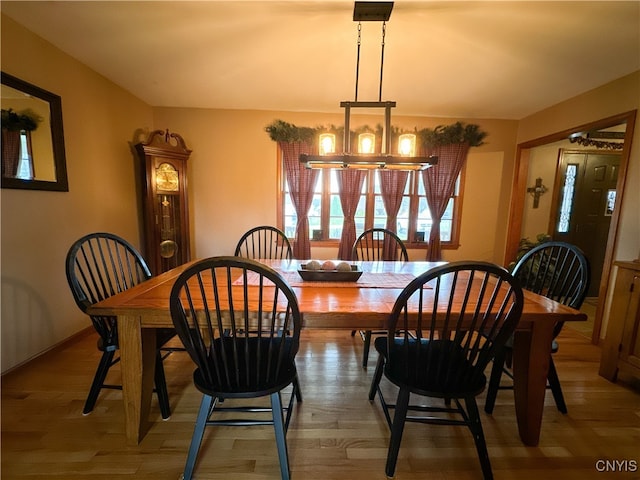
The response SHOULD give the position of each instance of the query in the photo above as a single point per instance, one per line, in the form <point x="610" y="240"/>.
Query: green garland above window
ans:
<point x="459" y="132"/>
<point x="16" y="121"/>
<point x="280" y="131"/>
<point x="452" y="134"/>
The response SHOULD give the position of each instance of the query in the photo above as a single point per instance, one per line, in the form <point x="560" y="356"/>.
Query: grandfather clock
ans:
<point x="166" y="212"/>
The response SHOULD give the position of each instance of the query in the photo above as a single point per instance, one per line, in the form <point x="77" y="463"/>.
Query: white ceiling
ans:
<point x="503" y="59"/>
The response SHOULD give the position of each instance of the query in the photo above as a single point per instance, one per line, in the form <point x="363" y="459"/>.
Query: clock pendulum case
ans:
<point x="166" y="211"/>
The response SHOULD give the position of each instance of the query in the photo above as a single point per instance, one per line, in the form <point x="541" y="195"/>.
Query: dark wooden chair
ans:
<point x="452" y="347"/>
<point x="372" y="245"/>
<point x="98" y="266"/>
<point x="254" y="355"/>
<point x="264" y="242"/>
<point x="556" y="270"/>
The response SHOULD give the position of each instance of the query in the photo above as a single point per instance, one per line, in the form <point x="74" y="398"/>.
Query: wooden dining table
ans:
<point x="361" y="305"/>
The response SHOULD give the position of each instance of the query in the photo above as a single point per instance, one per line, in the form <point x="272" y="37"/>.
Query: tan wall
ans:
<point x="233" y="177"/>
<point x="37" y="226"/>
<point x="620" y="96"/>
<point x="617" y="97"/>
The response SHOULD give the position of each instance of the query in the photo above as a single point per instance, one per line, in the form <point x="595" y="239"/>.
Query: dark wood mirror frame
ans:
<point x="60" y="184"/>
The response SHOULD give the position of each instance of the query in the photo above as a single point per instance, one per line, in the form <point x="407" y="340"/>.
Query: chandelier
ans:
<point x="366" y="156"/>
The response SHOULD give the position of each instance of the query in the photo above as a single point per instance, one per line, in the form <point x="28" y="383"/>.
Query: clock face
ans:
<point x="167" y="178"/>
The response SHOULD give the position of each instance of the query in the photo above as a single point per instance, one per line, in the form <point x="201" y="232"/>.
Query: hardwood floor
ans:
<point x="335" y="433"/>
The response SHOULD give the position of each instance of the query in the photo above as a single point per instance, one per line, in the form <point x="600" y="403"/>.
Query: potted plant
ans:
<point x="26" y="120"/>
<point x="284" y="132"/>
<point x="525" y="245"/>
<point x="444" y="135"/>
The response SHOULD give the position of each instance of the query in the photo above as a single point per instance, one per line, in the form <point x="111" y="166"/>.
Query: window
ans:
<point x="413" y="222"/>
<point x="566" y="203"/>
<point x="25" y="164"/>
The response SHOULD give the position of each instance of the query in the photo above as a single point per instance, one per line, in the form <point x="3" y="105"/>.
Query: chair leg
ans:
<point x="478" y="437"/>
<point x="201" y="422"/>
<point x="161" y="388"/>
<point x="98" y="380"/>
<point x="494" y="381"/>
<point x="294" y="394"/>
<point x="281" y="441"/>
<point x="377" y="376"/>
<point x="298" y="391"/>
<point x="402" y="405"/>
<point x="554" y="383"/>
<point x="367" y="346"/>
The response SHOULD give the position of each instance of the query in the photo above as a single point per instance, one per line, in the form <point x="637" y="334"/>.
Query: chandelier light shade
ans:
<point x="367" y="157"/>
<point x="407" y="145"/>
<point x="366" y="143"/>
<point x="326" y="143"/>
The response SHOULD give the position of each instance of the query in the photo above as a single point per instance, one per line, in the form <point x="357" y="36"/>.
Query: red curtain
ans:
<point x="350" y="185"/>
<point x="301" y="182"/>
<point x="10" y="152"/>
<point x="439" y="183"/>
<point x="392" y="185"/>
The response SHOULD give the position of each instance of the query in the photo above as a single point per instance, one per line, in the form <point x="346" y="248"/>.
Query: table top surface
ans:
<point x="364" y="304"/>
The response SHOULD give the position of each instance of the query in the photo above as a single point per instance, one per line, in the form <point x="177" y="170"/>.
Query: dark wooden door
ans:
<point x="586" y="200"/>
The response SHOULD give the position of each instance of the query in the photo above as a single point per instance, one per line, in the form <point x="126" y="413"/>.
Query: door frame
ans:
<point x="519" y="195"/>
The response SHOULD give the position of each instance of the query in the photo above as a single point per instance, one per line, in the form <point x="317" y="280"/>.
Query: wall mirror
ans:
<point x="33" y="155"/>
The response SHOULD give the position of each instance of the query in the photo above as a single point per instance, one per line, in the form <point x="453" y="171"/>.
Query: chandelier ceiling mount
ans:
<point x="366" y="157"/>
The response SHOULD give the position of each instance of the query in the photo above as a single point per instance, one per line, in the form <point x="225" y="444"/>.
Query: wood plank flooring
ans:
<point x="335" y="433"/>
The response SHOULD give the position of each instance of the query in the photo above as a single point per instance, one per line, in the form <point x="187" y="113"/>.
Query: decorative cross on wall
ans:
<point x="536" y="191"/>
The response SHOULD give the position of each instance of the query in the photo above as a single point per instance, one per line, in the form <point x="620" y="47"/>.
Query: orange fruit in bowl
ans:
<point x="328" y="265"/>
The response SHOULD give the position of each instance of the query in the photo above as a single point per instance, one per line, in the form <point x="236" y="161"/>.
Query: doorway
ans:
<point x="584" y="201"/>
<point x="520" y="195"/>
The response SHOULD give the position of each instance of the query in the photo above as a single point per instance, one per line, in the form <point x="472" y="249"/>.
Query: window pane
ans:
<point x="334" y="181"/>
<point x="421" y="190"/>
<point x="360" y="215"/>
<point x="314" y="225"/>
<point x="424" y="217"/>
<point x="24" y="161"/>
<point x="315" y="219"/>
<point x="424" y="220"/>
<point x="402" y="221"/>
<point x="290" y="217"/>
<point x="402" y="224"/>
<point x="335" y="216"/>
<point x="379" y="212"/>
<point x="566" y="205"/>
<point x="376" y="183"/>
<point x="611" y="203"/>
<point x="335" y="227"/>
<point x="446" y="223"/>
<point x="318" y="188"/>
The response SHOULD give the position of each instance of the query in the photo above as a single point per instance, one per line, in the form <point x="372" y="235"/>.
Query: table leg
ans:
<point x="137" y="364"/>
<point x="531" y="351"/>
